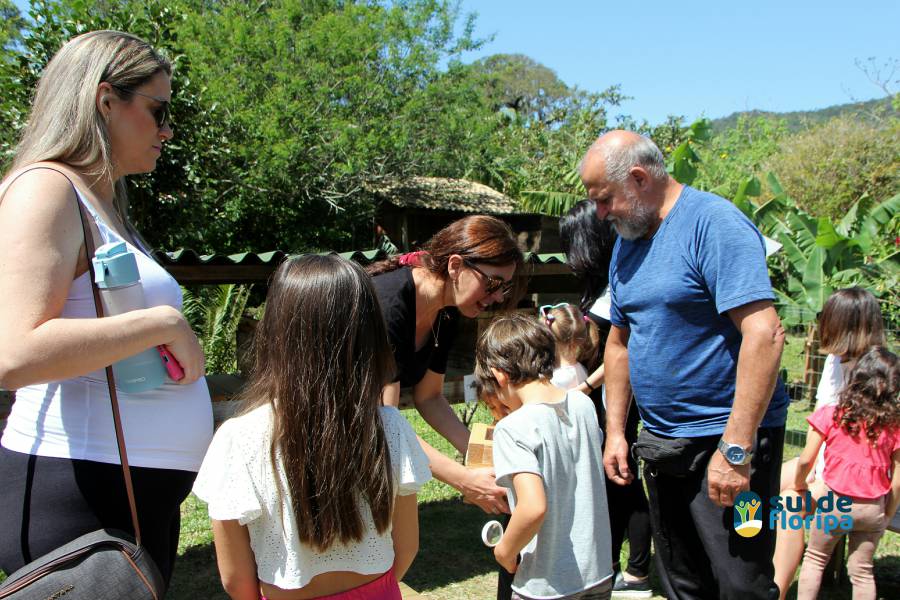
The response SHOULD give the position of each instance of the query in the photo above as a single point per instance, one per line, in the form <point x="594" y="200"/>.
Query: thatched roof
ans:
<point x="439" y="193"/>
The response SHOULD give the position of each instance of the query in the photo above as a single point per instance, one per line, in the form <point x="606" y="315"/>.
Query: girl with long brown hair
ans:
<point x="850" y="323"/>
<point x="462" y="270"/>
<point x="326" y="504"/>
<point x="862" y="462"/>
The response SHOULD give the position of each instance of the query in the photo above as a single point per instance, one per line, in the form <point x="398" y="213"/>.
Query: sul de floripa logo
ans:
<point x="828" y="513"/>
<point x="746" y="506"/>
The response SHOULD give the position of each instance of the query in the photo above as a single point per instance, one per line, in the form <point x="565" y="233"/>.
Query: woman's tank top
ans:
<point x="168" y="427"/>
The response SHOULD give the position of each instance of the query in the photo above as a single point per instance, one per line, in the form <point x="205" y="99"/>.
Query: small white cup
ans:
<point x="491" y="533"/>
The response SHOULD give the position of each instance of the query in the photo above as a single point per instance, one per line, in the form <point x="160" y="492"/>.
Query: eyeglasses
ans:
<point x="160" y="113"/>
<point x="492" y="283"/>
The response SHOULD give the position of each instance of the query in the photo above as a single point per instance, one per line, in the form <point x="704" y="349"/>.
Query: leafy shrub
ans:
<point x="828" y="168"/>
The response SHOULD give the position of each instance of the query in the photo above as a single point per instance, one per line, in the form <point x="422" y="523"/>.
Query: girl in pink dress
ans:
<point x="862" y="461"/>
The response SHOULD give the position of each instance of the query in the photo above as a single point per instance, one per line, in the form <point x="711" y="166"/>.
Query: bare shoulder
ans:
<point x="44" y="181"/>
<point x="39" y="195"/>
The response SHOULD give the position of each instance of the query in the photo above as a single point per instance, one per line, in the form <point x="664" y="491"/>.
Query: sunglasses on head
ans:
<point x="544" y="311"/>
<point x="160" y="113"/>
<point x="492" y="283"/>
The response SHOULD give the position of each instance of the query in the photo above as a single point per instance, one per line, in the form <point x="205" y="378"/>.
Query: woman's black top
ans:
<point x="397" y="294"/>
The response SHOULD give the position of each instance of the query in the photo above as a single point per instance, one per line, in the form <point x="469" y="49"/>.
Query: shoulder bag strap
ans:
<point x="89" y="249"/>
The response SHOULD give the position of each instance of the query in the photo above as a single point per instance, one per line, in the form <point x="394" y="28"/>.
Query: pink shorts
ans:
<point x="383" y="588"/>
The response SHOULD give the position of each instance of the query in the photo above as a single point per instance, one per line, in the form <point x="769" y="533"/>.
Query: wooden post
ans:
<point x="810" y="371"/>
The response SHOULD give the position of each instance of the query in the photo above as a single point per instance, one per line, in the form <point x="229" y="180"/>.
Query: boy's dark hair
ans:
<point x="517" y="345"/>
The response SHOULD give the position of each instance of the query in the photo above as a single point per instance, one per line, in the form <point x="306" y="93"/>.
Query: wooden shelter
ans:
<point x="411" y="210"/>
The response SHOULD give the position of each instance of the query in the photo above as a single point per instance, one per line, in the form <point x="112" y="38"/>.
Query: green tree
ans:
<point x="525" y="86"/>
<point x="328" y="96"/>
<point x="170" y="206"/>
<point x="282" y="111"/>
<point x="11" y="24"/>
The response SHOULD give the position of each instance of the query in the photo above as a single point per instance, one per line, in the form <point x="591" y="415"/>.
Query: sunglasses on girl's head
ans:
<point x="492" y="283"/>
<point x="160" y="113"/>
<point x="545" y="309"/>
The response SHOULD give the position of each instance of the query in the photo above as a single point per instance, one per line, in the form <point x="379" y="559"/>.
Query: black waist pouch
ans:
<point x="677" y="457"/>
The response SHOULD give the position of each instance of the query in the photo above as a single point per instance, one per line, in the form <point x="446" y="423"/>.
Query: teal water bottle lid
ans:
<point x="115" y="266"/>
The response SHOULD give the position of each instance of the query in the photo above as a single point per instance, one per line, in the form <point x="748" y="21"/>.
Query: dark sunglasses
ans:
<point x="160" y="113"/>
<point x="492" y="283"/>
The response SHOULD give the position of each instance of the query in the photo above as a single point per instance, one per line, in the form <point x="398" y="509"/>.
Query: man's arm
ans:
<point x="757" y="369"/>
<point x="618" y="399"/>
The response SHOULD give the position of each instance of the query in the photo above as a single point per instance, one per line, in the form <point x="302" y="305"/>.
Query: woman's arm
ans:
<point x="428" y="396"/>
<point x="526" y="521"/>
<point x="41" y="250"/>
<point x="237" y="565"/>
<point x="477" y="485"/>
<point x="405" y="533"/>
<point x="893" y="497"/>
<point x="807" y="458"/>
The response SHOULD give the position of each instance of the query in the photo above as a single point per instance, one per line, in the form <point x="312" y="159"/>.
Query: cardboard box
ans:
<point x="480" y="452"/>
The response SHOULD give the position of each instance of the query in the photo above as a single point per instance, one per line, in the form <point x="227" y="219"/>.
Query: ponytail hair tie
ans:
<point x="410" y="259"/>
<point x="586" y="318"/>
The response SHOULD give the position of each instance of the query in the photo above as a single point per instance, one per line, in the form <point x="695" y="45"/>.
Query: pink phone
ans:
<point x="172" y="366"/>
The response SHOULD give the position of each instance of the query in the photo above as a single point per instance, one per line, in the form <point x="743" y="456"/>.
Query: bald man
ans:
<point x="696" y="338"/>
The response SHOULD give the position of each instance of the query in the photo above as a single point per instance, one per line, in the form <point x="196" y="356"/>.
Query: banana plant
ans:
<point x="554" y="204"/>
<point x="682" y="165"/>
<point x="818" y="255"/>
<point x="684" y="161"/>
<point x="214" y="313"/>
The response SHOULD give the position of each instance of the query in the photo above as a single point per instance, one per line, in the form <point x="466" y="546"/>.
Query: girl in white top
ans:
<point x="100" y="113"/>
<point x="312" y="490"/>
<point x="850" y="323"/>
<point x="577" y="339"/>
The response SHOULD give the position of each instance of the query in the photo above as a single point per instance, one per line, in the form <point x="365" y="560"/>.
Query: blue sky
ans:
<point x="699" y="57"/>
<point x="694" y="58"/>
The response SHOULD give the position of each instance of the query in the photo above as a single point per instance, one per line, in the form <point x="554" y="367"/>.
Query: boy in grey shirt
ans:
<point x="547" y="453"/>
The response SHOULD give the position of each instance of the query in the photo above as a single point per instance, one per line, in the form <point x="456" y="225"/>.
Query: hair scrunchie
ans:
<point x="411" y="259"/>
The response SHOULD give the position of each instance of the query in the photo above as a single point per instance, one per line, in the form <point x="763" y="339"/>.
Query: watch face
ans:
<point x="735" y="454"/>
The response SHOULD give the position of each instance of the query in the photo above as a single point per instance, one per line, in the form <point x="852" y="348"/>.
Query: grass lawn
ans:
<point x="452" y="564"/>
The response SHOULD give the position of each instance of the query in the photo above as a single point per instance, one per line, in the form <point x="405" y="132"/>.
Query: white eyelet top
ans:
<point x="238" y="482"/>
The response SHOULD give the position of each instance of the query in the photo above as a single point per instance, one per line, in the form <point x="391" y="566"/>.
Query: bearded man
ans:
<point x="696" y="337"/>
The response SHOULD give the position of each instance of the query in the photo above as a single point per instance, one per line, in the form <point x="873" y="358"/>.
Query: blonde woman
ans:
<point x="100" y="113"/>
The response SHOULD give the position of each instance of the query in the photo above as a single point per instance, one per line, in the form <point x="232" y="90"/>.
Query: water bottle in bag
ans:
<point x="119" y="282"/>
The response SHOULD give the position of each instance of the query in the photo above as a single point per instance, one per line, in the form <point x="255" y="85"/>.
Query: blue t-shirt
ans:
<point x="673" y="292"/>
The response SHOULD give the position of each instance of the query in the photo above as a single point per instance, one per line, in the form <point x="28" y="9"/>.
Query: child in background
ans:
<point x="312" y="490"/>
<point x="850" y="323"/>
<point x="577" y="340"/>
<point x="547" y="454"/>
<point x="862" y="461"/>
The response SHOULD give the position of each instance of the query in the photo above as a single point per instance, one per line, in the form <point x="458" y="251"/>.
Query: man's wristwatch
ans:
<point x="734" y="454"/>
